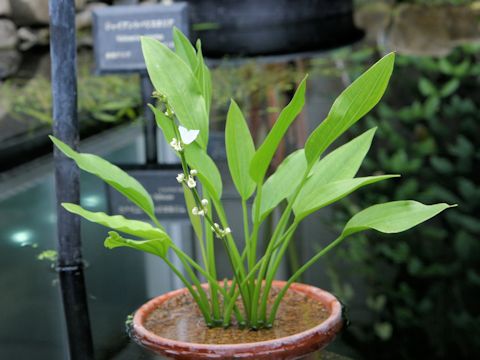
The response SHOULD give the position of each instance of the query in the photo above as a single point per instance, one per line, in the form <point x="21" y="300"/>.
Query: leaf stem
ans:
<point x="297" y="274"/>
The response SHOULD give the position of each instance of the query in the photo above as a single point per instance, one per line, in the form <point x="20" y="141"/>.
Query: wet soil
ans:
<point x="179" y="319"/>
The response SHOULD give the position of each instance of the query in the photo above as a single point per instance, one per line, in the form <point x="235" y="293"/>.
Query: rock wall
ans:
<point x="420" y="29"/>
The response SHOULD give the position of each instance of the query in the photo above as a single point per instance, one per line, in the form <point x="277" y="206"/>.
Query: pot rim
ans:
<point x="334" y="321"/>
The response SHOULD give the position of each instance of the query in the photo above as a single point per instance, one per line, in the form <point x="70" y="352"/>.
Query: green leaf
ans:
<point x="172" y="77"/>
<point x="184" y="48"/>
<point x="265" y="152"/>
<point x="450" y="87"/>
<point x="117" y="222"/>
<point x="158" y="247"/>
<point x="392" y="217"/>
<point x="164" y="123"/>
<point x="355" y="101"/>
<point x="204" y="78"/>
<point x="112" y="175"/>
<point x="343" y="162"/>
<point x="312" y="198"/>
<point x="208" y="172"/>
<point x="282" y="183"/>
<point x="426" y="88"/>
<point x="240" y="150"/>
<point x="194" y="219"/>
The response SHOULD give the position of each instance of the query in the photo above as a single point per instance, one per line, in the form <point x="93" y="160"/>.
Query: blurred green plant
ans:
<point x="100" y="98"/>
<point x="422" y="287"/>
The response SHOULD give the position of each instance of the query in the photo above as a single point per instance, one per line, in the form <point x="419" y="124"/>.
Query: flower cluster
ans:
<point x="220" y="232"/>
<point x="186" y="136"/>
<point x="202" y="210"/>
<point x="190" y="180"/>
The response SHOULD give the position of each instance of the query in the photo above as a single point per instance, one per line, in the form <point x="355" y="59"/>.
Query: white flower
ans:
<point x="191" y="183"/>
<point x="201" y="212"/>
<point x="188" y="136"/>
<point x="180" y="178"/>
<point x="193" y="172"/>
<point x="204" y="202"/>
<point x="227" y="230"/>
<point x="195" y="211"/>
<point x="176" y="145"/>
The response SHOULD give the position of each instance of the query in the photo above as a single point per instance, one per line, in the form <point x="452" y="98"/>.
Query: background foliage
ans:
<point x="422" y="287"/>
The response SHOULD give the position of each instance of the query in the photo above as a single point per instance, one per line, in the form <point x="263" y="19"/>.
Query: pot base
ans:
<point x="179" y="319"/>
<point x="263" y="344"/>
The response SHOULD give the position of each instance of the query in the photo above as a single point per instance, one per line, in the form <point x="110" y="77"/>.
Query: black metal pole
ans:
<point x="65" y="127"/>
<point x="150" y="126"/>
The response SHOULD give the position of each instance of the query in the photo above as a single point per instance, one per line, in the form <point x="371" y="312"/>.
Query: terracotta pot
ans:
<point x="290" y="347"/>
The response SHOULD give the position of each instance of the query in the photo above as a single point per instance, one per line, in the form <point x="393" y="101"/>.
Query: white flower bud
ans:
<point x="176" y="145"/>
<point x="228" y="230"/>
<point x="195" y="211"/>
<point x="204" y="202"/>
<point x="193" y="172"/>
<point x="191" y="183"/>
<point x="180" y="178"/>
<point x="201" y="212"/>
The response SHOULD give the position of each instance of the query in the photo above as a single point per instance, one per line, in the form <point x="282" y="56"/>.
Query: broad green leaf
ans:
<point x="184" y="48"/>
<point x="112" y="175"/>
<point x="283" y="182"/>
<point x="354" y="102"/>
<point x="208" y="172"/>
<point x="194" y="219"/>
<point x="172" y="77"/>
<point x="240" y="150"/>
<point x="343" y="162"/>
<point x="312" y="198"/>
<point x="158" y="246"/>
<point x="265" y="152"/>
<point x="392" y="217"/>
<point x="117" y="222"/>
<point x="204" y="78"/>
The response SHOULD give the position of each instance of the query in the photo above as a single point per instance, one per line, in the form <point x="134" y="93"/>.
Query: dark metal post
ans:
<point x="150" y="126"/>
<point x="65" y="127"/>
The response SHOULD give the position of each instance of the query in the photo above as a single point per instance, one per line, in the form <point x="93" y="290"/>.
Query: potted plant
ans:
<point x="251" y="315"/>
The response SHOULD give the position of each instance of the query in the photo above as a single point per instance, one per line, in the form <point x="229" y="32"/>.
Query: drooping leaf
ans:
<point x="184" y="48"/>
<point x="343" y="162"/>
<point x="392" y="217"/>
<point x="117" y="222"/>
<point x="195" y="220"/>
<point x="265" y="152"/>
<point x="352" y="104"/>
<point x="312" y="198"/>
<point x="172" y="77"/>
<point x="282" y="183"/>
<point x="158" y="247"/>
<point x="208" y="172"/>
<point x="240" y="151"/>
<point x="112" y="175"/>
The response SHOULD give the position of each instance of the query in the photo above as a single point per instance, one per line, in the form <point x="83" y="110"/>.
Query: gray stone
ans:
<point x="30" y="12"/>
<point x="30" y="37"/>
<point x="433" y="30"/>
<point x="34" y="12"/>
<point x="80" y="4"/>
<point x="8" y="34"/>
<point x="5" y="9"/>
<point x="84" y="18"/>
<point x="373" y="18"/>
<point x="9" y="63"/>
